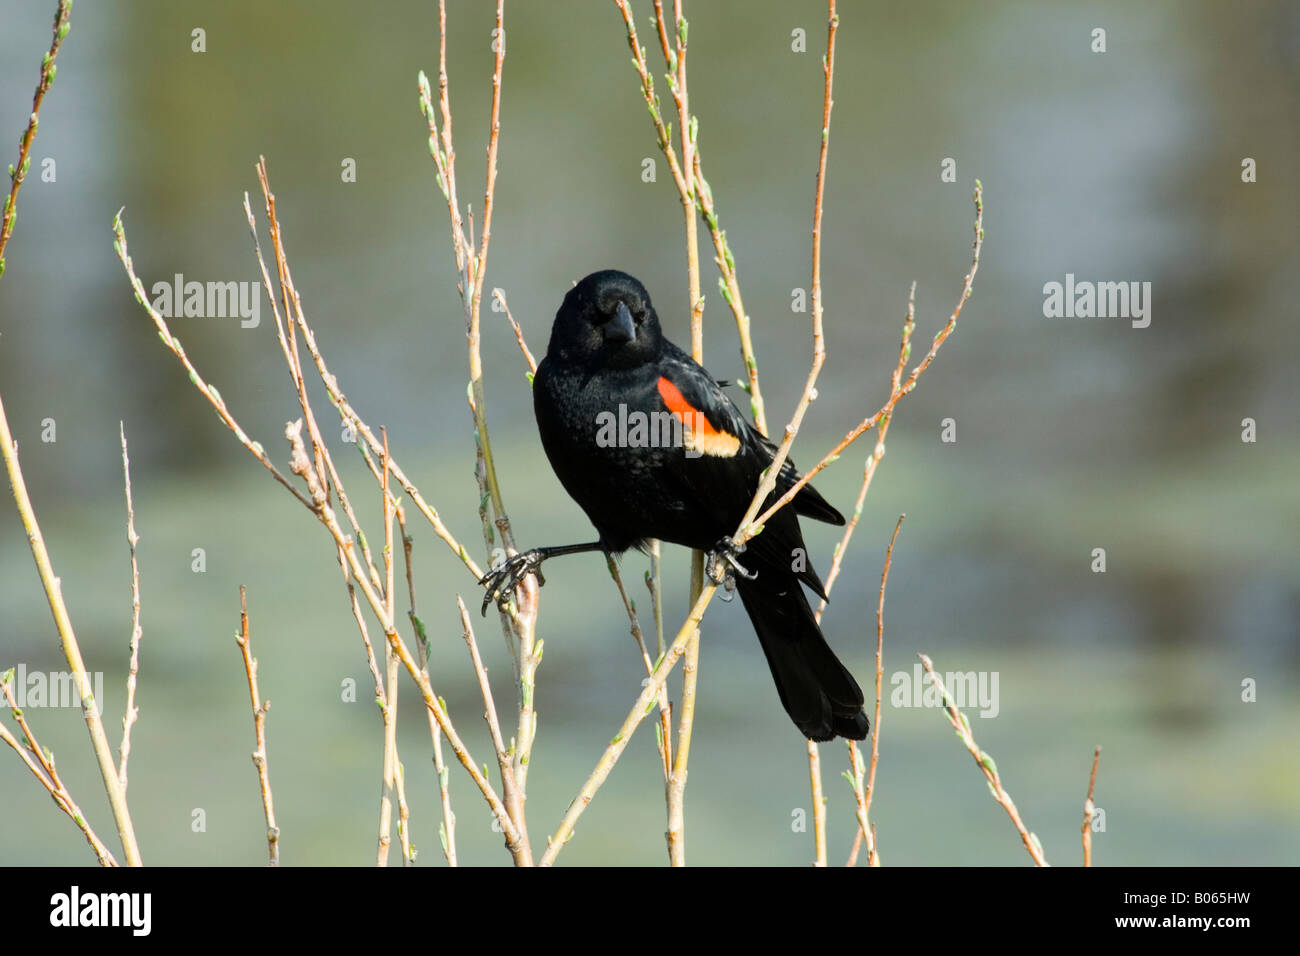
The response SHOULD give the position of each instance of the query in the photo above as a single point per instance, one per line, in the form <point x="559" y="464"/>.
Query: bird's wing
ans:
<point x="714" y="428"/>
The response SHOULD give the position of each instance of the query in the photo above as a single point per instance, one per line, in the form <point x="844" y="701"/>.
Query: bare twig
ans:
<point x="485" y="690"/>
<point x="403" y="817"/>
<point x="729" y="285"/>
<point x="648" y="88"/>
<point x="652" y="583"/>
<point x="809" y="392"/>
<point x="857" y="836"/>
<point x="500" y="296"/>
<point x="818" y="801"/>
<point x="447" y="830"/>
<point x="688" y="178"/>
<point x="18" y="173"/>
<point x="513" y="795"/>
<point x="474" y="303"/>
<point x="885" y="410"/>
<point x="71" y="649"/>
<point x="878" y="453"/>
<point x="864" y="801"/>
<point x="9" y="450"/>
<point x="748" y="527"/>
<point x="841" y="549"/>
<point x="132" y="539"/>
<point x="366" y="575"/>
<point x="338" y="399"/>
<point x="174" y="345"/>
<point x="519" y="618"/>
<point x="676" y="789"/>
<point x="301" y="465"/>
<point x="317" y="501"/>
<point x="985" y="762"/>
<point x="649" y="691"/>
<point x="663" y="736"/>
<point x="388" y="705"/>
<point x="863" y="791"/>
<point x="690" y="181"/>
<point x="675" y="60"/>
<point x="1089" y="808"/>
<point x="41" y="763"/>
<point x="260" y="707"/>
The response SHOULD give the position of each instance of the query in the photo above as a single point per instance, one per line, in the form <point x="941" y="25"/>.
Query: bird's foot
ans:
<point x="721" y="565"/>
<point x="503" y="578"/>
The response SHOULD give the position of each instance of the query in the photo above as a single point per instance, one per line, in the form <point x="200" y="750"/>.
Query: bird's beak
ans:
<point x="620" y="328"/>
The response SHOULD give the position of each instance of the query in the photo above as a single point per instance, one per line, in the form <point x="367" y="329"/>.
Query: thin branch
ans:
<point x="71" y="649"/>
<point x="295" y="322"/>
<point x="301" y="465"/>
<point x="748" y="527"/>
<point x="519" y="617"/>
<point x="663" y="130"/>
<point x="485" y="690"/>
<point x="863" y="791"/>
<point x="317" y="502"/>
<point x="688" y="126"/>
<point x="818" y="802"/>
<point x="260" y="707"/>
<point x="857" y="839"/>
<point x="447" y="829"/>
<point x="887" y="409"/>
<point x="985" y="762"/>
<point x="513" y="795"/>
<point x="664" y="731"/>
<point x="1089" y="808"/>
<point x="640" y="709"/>
<point x="652" y="583"/>
<point x="366" y="575"/>
<point x="500" y="296"/>
<point x="676" y="791"/>
<point x="388" y="782"/>
<point x="174" y="346"/>
<point x="388" y="707"/>
<point x="9" y="450"/>
<point x="729" y="286"/>
<point x="354" y="602"/>
<point x="403" y="817"/>
<point x="809" y="392"/>
<point x="878" y="453"/>
<point x="43" y="769"/>
<point x="474" y="295"/>
<point x="841" y="549"/>
<point x="18" y="173"/>
<point x="132" y="539"/>
<point x="688" y="178"/>
<point x="338" y="399"/>
<point x="873" y="858"/>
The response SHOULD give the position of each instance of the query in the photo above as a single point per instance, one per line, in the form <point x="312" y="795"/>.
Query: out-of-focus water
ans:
<point x="1071" y="434"/>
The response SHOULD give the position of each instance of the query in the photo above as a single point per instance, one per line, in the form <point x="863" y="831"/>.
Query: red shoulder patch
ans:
<point x="698" y="433"/>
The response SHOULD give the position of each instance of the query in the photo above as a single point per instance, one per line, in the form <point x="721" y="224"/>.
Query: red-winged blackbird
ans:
<point x="645" y="441"/>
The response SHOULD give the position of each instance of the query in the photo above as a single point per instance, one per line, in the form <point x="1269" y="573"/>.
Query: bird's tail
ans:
<point x="817" y="691"/>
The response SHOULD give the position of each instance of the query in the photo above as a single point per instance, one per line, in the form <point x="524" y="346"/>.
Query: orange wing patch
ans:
<point x="698" y="433"/>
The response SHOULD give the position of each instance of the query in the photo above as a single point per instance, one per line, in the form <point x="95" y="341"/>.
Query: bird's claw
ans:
<point x="722" y="567"/>
<point x="500" y="582"/>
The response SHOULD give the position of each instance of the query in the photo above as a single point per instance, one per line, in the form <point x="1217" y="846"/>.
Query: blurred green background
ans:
<point x="1072" y="434"/>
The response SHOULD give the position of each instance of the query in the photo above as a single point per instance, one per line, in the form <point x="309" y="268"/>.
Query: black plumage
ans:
<point x="649" y="446"/>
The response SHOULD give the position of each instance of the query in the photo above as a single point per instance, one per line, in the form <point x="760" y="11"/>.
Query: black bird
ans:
<point x="645" y="441"/>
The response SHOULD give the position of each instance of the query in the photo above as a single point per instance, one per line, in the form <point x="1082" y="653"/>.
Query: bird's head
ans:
<point x="607" y="319"/>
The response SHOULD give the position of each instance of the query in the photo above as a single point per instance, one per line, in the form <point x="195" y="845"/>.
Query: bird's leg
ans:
<point x="502" y="579"/>
<point x="722" y="567"/>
